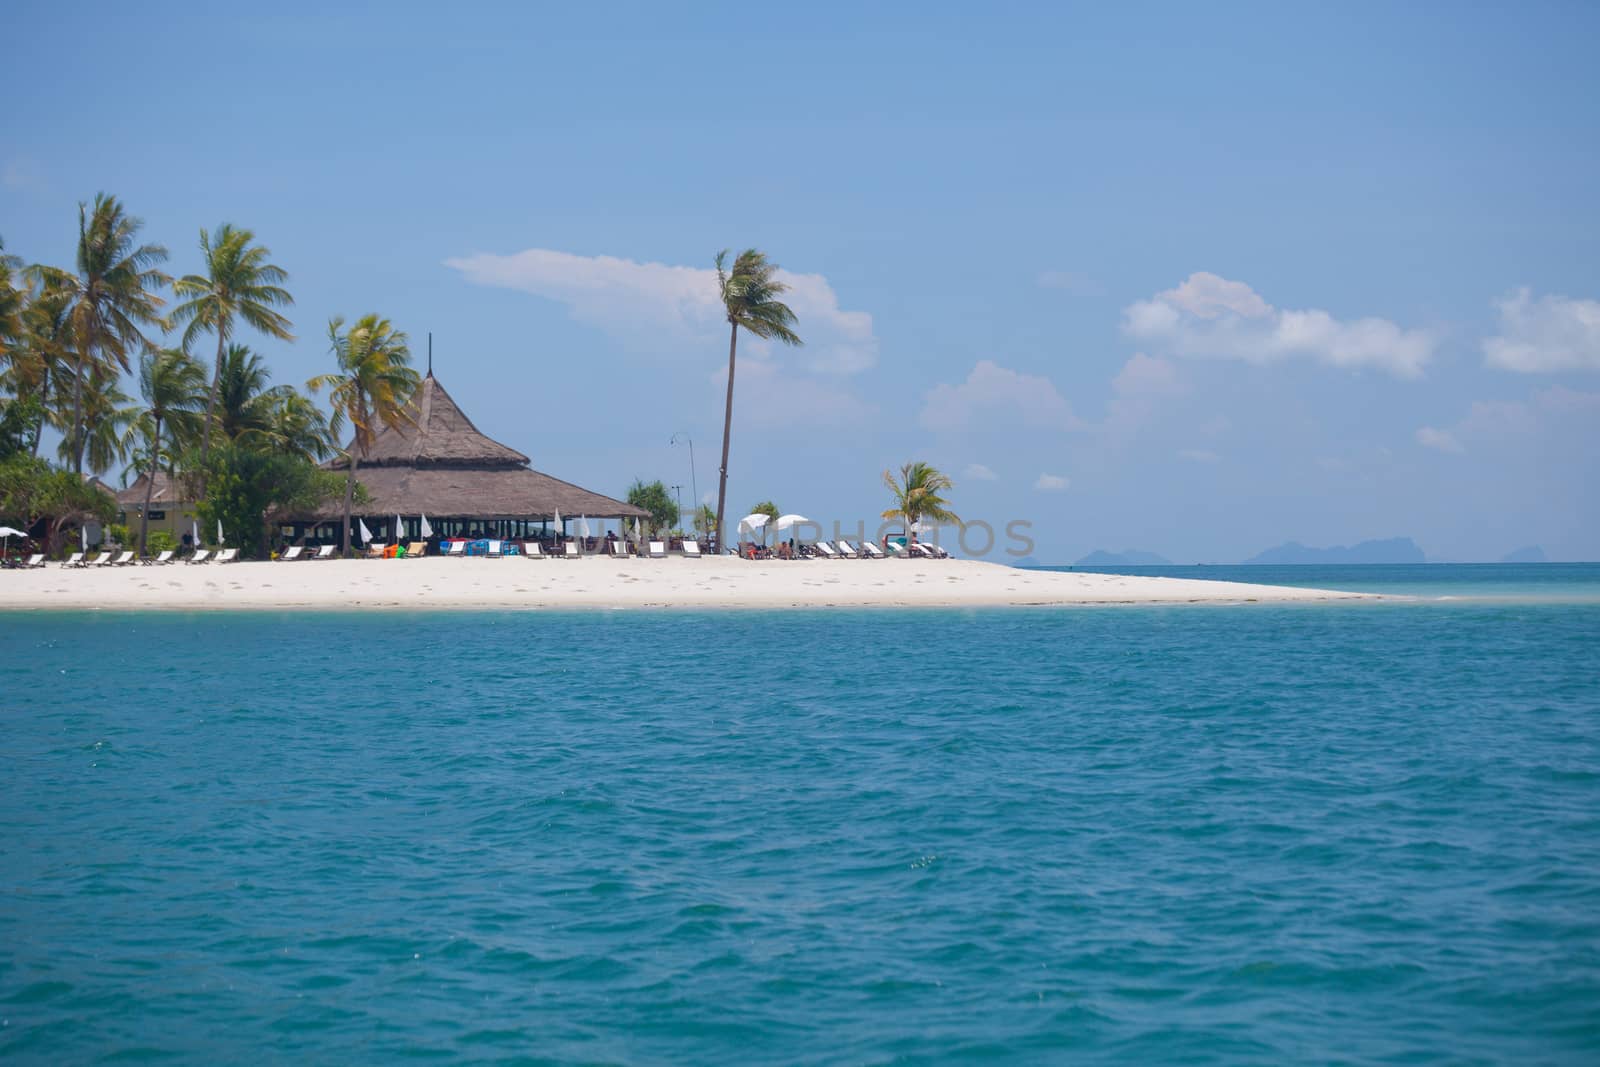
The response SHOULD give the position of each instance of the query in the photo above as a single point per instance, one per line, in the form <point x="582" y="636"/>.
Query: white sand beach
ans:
<point x="602" y="582"/>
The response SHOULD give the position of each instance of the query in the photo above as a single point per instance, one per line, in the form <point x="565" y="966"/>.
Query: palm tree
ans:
<point x="370" y="391"/>
<point x="110" y="297"/>
<point x="108" y="415"/>
<point x="750" y="298"/>
<point x="238" y="283"/>
<point x="173" y="385"/>
<point x="239" y="400"/>
<point x="12" y="300"/>
<point x="917" y="496"/>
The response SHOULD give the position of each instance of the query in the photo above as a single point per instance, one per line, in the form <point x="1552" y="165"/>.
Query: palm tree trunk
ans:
<point x="150" y="485"/>
<point x="77" y="415"/>
<point x="349" y="496"/>
<point x="727" y="431"/>
<point x="211" y="407"/>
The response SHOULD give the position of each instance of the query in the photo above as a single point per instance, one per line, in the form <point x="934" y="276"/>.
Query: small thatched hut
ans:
<point x="440" y="465"/>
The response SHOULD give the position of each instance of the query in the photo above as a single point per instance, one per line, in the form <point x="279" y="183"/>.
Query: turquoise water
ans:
<point x="1248" y="834"/>
<point x="1561" y="582"/>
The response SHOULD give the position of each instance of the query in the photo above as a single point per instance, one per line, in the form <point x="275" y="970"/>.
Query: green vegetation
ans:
<point x="371" y="389"/>
<point x="655" y="498"/>
<point x="32" y="491"/>
<point x="245" y="485"/>
<point x="174" y="387"/>
<point x="770" y="510"/>
<point x="917" y="495"/>
<point x="749" y="294"/>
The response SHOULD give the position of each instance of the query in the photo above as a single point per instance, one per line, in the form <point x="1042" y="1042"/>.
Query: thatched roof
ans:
<point x="437" y="433"/>
<point x="168" y="491"/>
<point x="440" y="465"/>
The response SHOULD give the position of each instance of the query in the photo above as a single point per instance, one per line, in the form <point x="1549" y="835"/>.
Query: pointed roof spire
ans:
<point x="438" y="434"/>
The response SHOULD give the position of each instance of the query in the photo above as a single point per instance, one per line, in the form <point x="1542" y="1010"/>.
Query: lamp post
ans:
<point x="694" y="480"/>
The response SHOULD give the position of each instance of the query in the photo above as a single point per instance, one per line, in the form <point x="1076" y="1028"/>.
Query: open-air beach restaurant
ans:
<point x="437" y="464"/>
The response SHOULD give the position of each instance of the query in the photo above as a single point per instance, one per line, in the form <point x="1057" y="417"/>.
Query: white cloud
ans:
<point x="1442" y="440"/>
<point x="1198" y="455"/>
<point x="638" y="302"/>
<point x="1145" y="375"/>
<point x="1212" y="316"/>
<point x="20" y="173"/>
<point x="1051" y="483"/>
<point x="977" y="472"/>
<point x="1552" y="333"/>
<point x="993" y="390"/>
<point x="768" y="396"/>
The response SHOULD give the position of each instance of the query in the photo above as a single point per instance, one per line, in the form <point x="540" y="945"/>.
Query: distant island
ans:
<point x="1531" y="554"/>
<point x="1128" y="557"/>
<point x="1393" y="550"/>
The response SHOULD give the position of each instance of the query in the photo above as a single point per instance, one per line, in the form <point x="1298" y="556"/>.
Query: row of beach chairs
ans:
<point x="130" y="558"/>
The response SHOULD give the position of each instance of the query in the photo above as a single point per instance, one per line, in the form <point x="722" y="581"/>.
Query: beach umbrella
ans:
<point x="8" y="532"/>
<point x="220" y="539"/>
<point x="427" y="531"/>
<point x="83" y="537"/>
<point x="638" y="532"/>
<point x="583" y="527"/>
<point x="397" y="526"/>
<point x="559" y="526"/>
<point x="366" y="534"/>
<point x="787" y="521"/>
<point x="194" y="532"/>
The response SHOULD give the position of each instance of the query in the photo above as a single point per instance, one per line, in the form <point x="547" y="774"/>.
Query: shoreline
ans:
<point x="603" y="583"/>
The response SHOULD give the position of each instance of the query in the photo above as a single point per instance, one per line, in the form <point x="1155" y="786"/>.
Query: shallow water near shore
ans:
<point x="1251" y="834"/>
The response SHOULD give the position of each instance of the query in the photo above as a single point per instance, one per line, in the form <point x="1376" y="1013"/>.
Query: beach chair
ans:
<point x="125" y="559"/>
<point x="74" y="560"/>
<point x="292" y="552"/>
<point x="899" y="551"/>
<point x="227" y="555"/>
<point x="495" y="549"/>
<point x="932" y="551"/>
<point x="416" y="550"/>
<point x="533" y="550"/>
<point x="162" y="558"/>
<point x="691" y="549"/>
<point x="324" y="552"/>
<point x="825" y="550"/>
<point x="658" y="550"/>
<point x="847" y="550"/>
<point x="569" y="550"/>
<point x="619" y="548"/>
<point x="201" y="555"/>
<point x="104" y="559"/>
<point x="457" y="548"/>
<point x="375" y="551"/>
<point x="35" y="560"/>
<point x="871" y="551"/>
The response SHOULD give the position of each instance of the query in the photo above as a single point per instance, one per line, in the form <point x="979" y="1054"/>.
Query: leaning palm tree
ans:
<point x="371" y="389"/>
<point x="238" y="283"/>
<point x="174" y="387"/>
<point x="917" y="496"/>
<point x="749" y="295"/>
<point x="110" y="297"/>
<point x="284" y="420"/>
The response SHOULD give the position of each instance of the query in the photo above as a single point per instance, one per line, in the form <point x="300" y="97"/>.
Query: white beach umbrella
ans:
<point x="83" y="537"/>
<point x="583" y="527"/>
<point x="397" y="526"/>
<point x="753" y="523"/>
<point x="220" y="539"/>
<point x="638" y="532"/>
<point x="427" y="531"/>
<point x="194" y="532"/>
<point x="561" y="531"/>
<point x="366" y="534"/>
<point x="8" y="532"/>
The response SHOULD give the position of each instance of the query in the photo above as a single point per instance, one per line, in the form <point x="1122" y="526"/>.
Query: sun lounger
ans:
<point x="375" y="551"/>
<point x="533" y="550"/>
<point x="324" y="552"/>
<point x="457" y="548"/>
<point x="847" y="550"/>
<point x="931" y="551"/>
<point x="871" y="550"/>
<point x="691" y="550"/>
<point x="900" y="551"/>
<point x="227" y="555"/>
<point x="619" y="548"/>
<point x="74" y="560"/>
<point x="200" y="555"/>
<point x="125" y="559"/>
<point x="416" y="550"/>
<point x="495" y="548"/>
<point x="104" y="559"/>
<point x="163" y="558"/>
<point x="569" y="550"/>
<point x="658" y="550"/>
<point x="292" y="552"/>
<point x="825" y="550"/>
<point x="35" y="560"/>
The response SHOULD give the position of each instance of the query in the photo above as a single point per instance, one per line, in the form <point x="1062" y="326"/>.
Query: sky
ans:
<point x="1193" y="280"/>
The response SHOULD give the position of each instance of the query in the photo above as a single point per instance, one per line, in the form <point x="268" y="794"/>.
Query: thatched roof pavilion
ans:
<point x="440" y="465"/>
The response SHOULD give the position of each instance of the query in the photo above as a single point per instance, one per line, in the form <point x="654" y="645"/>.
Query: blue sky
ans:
<point x="1189" y="280"/>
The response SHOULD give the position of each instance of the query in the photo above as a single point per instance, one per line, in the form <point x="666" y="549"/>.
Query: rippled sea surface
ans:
<point x="1250" y="834"/>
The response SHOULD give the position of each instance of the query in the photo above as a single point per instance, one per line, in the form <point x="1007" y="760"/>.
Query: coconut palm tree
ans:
<point x="371" y="389"/>
<point x="749" y="292"/>
<point x="917" y="496"/>
<point x="238" y="283"/>
<point x="241" y="396"/>
<point x="112" y="295"/>
<point x="13" y="297"/>
<point x="108" y="416"/>
<point x="288" y="422"/>
<point x="173" y="386"/>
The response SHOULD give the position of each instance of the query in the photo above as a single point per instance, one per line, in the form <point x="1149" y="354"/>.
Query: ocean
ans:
<point x="1250" y="834"/>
